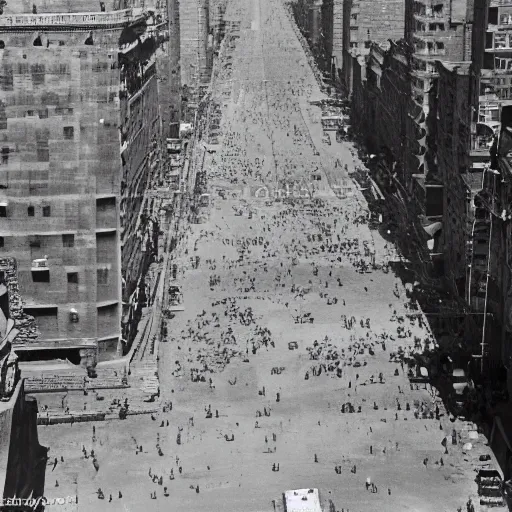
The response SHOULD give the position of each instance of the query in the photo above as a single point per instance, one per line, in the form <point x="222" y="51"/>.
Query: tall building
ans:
<point x="454" y="89"/>
<point x="337" y="39"/>
<point x="81" y="135"/>
<point x="435" y="30"/>
<point x="364" y="22"/>
<point x="194" y="36"/>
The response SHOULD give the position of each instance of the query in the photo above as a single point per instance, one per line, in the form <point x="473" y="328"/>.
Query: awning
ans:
<point x="433" y="228"/>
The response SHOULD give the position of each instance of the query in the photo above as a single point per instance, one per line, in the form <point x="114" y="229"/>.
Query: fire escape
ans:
<point x="480" y="254"/>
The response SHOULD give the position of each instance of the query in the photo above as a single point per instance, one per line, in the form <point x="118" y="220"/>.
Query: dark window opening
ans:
<point x="35" y="244"/>
<point x="5" y="154"/>
<point x="102" y="6"/>
<point x="67" y="354"/>
<point x="2" y="241"/>
<point x="89" y="41"/>
<point x="3" y="211"/>
<point x="73" y="277"/>
<point x="37" y="41"/>
<point x="2" y="45"/>
<point x="41" y="276"/>
<point x="68" y="240"/>
<point x="46" y="211"/>
<point x="69" y="132"/>
<point x="30" y="211"/>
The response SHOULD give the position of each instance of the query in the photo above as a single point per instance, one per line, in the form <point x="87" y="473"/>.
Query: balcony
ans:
<point x="94" y="19"/>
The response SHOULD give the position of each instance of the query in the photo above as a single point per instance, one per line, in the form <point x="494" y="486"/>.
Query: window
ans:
<point x="30" y="211"/>
<point x="2" y="241"/>
<point x="37" y="41"/>
<point x="2" y="45"/>
<point x="35" y="244"/>
<point x="41" y="276"/>
<point x="102" y="274"/>
<point x="68" y="240"/>
<point x="367" y="44"/>
<point x="5" y="154"/>
<point x="3" y="211"/>
<point x="73" y="277"/>
<point x="69" y="132"/>
<point x="46" y="211"/>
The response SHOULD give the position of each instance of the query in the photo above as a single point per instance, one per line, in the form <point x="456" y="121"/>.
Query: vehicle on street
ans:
<point x="326" y="139"/>
<point x="490" y="488"/>
<point x="175" y="298"/>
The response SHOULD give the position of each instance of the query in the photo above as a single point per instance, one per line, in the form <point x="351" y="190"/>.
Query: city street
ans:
<point x="285" y="326"/>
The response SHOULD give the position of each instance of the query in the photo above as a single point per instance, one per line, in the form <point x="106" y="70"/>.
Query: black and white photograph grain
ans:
<point x="255" y="255"/>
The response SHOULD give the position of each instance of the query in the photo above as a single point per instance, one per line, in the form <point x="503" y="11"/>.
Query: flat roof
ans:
<point x="302" y="500"/>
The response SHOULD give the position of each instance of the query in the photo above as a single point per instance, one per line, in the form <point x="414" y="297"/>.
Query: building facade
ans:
<point x="81" y="142"/>
<point x="194" y="52"/>
<point x="366" y="22"/>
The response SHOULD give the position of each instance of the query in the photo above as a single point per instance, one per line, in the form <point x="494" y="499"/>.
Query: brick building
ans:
<point x="365" y="22"/>
<point x="81" y="136"/>
<point x="439" y="30"/>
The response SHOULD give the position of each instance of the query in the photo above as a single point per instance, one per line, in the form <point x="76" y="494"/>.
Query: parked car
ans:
<point x="460" y="382"/>
<point x="326" y="139"/>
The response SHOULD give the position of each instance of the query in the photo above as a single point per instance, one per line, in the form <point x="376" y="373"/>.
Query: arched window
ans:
<point x="37" y="41"/>
<point x="89" y="41"/>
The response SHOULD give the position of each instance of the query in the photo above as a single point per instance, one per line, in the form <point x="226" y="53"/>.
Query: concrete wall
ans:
<point x="62" y="109"/>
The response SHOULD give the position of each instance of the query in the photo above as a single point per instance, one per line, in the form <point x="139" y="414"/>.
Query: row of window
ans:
<point x="30" y="211"/>
<point x="68" y="240"/>
<point x="43" y="276"/>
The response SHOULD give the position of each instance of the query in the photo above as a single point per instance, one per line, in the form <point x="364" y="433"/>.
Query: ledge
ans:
<point x="84" y="19"/>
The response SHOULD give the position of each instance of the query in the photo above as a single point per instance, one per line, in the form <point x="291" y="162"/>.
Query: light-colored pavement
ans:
<point x="263" y="266"/>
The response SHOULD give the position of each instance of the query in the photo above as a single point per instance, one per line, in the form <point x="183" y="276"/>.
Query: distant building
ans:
<point x="80" y="121"/>
<point x="366" y="22"/>
<point x="195" y="41"/>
